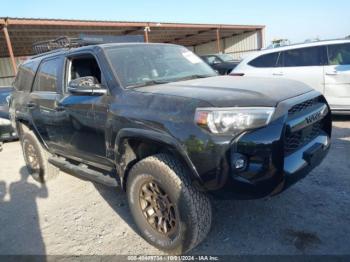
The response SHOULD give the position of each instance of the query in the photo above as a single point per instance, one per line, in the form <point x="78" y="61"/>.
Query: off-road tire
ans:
<point x="45" y="170"/>
<point x="193" y="207"/>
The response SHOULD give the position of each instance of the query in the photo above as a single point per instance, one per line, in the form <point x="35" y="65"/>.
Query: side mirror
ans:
<point x="87" y="85"/>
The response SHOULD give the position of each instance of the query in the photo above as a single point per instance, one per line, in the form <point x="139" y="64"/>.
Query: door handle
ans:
<point x="31" y="105"/>
<point x="332" y="73"/>
<point x="278" y="74"/>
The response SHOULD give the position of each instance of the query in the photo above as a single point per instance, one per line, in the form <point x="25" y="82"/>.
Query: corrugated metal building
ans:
<point x="6" y="69"/>
<point x="19" y="34"/>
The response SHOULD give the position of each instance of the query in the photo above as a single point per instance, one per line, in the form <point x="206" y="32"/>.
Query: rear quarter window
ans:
<point x="339" y="54"/>
<point x="268" y="60"/>
<point x="25" y="76"/>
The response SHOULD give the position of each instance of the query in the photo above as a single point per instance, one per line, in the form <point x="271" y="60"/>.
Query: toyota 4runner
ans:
<point x="157" y="121"/>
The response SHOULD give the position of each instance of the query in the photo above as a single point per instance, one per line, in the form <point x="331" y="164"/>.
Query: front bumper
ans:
<point x="270" y="168"/>
<point x="271" y="174"/>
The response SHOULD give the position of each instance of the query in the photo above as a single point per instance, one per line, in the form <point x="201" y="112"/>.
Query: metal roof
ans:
<point x="23" y="32"/>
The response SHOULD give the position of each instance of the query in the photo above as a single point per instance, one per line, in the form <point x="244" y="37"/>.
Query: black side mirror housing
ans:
<point x="87" y="85"/>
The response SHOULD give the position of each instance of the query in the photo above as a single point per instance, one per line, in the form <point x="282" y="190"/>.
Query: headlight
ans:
<point x="4" y="122"/>
<point x="233" y="120"/>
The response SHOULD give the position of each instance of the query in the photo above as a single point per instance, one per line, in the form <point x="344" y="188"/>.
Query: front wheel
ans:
<point x="169" y="212"/>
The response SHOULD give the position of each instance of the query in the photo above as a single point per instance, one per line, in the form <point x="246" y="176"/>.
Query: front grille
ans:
<point x="295" y="140"/>
<point x="302" y="106"/>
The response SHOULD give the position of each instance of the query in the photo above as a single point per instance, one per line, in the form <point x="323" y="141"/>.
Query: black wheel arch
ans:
<point x="132" y="145"/>
<point x="24" y="123"/>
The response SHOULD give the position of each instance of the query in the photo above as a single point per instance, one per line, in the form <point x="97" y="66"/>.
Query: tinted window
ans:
<point x="46" y="78"/>
<point x="25" y="76"/>
<point x="268" y="60"/>
<point x="225" y="57"/>
<point x="339" y="54"/>
<point x="311" y="56"/>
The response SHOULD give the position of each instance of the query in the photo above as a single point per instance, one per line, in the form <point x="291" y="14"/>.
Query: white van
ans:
<point x="323" y="65"/>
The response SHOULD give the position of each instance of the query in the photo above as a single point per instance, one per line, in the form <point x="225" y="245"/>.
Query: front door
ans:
<point x="337" y="76"/>
<point x="80" y="134"/>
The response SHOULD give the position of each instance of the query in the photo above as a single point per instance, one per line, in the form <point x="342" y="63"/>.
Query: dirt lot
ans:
<point x="71" y="216"/>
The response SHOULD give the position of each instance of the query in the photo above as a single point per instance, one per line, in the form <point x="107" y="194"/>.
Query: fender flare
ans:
<point x="155" y="136"/>
<point x="27" y="122"/>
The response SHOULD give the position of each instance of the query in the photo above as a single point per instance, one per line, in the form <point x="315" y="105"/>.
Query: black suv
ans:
<point x="157" y="121"/>
<point x="222" y="63"/>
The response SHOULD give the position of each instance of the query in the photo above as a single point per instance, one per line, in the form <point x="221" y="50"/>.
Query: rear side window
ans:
<point x="311" y="56"/>
<point x="25" y="76"/>
<point x="46" y="78"/>
<point x="339" y="54"/>
<point x="268" y="60"/>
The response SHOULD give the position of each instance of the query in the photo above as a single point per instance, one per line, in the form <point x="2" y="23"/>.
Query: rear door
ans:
<point x="43" y="99"/>
<point x="337" y="76"/>
<point x="23" y="86"/>
<point x="305" y="65"/>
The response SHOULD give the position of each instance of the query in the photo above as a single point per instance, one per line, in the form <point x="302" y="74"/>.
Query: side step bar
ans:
<point x="82" y="171"/>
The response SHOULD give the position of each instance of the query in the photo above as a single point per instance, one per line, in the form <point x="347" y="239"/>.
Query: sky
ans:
<point x="294" y="20"/>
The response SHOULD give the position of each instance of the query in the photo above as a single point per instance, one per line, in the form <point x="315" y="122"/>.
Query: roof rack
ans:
<point x="58" y="43"/>
<point x="83" y="40"/>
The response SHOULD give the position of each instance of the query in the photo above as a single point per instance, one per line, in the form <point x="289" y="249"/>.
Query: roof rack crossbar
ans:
<point x="58" y="43"/>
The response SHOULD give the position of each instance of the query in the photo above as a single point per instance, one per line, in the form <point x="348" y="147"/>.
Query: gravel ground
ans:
<point x="70" y="216"/>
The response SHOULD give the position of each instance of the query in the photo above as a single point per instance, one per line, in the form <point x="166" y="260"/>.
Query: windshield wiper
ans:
<point x="158" y="82"/>
<point x="192" y="77"/>
<point x="148" y="83"/>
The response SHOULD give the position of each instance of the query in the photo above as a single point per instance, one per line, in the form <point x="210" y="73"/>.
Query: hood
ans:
<point x="230" y="91"/>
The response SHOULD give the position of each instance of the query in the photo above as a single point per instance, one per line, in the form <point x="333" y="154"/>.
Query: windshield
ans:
<point x="140" y="65"/>
<point x="225" y="57"/>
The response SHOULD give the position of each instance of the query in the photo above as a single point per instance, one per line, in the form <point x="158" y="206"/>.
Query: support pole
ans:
<point x="9" y="47"/>
<point x="146" y="30"/>
<point x="261" y="38"/>
<point x="218" y="45"/>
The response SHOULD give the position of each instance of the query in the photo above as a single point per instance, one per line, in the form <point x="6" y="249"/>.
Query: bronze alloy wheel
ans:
<point x="157" y="208"/>
<point x="35" y="157"/>
<point x="32" y="157"/>
<point x="170" y="213"/>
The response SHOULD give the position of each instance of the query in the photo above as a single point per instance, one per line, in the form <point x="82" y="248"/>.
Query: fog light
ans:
<point x="239" y="161"/>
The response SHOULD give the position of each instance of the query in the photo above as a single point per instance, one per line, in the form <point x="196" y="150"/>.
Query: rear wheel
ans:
<point x="36" y="157"/>
<point x="169" y="212"/>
